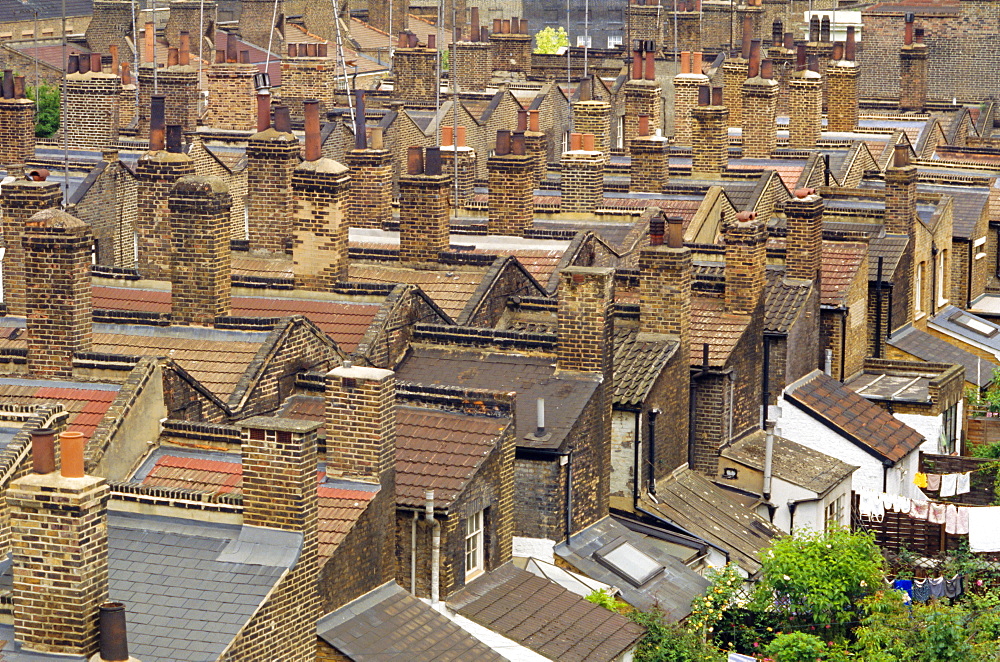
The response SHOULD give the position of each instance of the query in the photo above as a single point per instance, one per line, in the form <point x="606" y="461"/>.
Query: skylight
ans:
<point x="627" y="561"/>
<point x="974" y="324"/>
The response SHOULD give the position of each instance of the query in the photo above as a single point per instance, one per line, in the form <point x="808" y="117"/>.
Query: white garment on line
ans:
<point x="948" y="483"/>
<point x="984" y="529"/>
<point x="962" y="485"/>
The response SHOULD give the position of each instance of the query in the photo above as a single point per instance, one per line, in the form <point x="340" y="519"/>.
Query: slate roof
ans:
<point x="345" y="322"/>
<point x="545" y="617"/>
<point x="189" y="586"/>
<point x="890" y="248"/>
<point x="932" y="349"/>
<point x="967" y="204"/>
<point x="638" y="360"/>
<point x="672" y="590"/>
<point x="441" y="451"/>
<point x="532" y="377"/>
<point x="942" y="321"/>
<point x="390" y="624"/>
<point x="711" y="324"/>
<point x="690" y="501"/>
<point x="791" y="462"/>
<point x="863" y="422"/>
<point x="86" y="402"/>
<point x="783" y="300"/>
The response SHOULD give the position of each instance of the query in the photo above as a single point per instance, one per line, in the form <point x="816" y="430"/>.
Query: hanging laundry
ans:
<point x="919" y="509"/>
<point x="871" y="506"/>
<point x="962" y="527"/>
<point x="888" y="501"/>
<point x="905" y="585"/>
<point x="936" y="513"/>
<point x="921" y="590"/>
<point x="984" y="529"/>
<point x="951" y="518"/>
<point x="902" y="504"/>
<point x="937" y="587"/>
<point x="920" y="479"/>
<point x="953" y="587"/>
<point x="948" y="482"/>
<point x="933" y="482"/>
<point x="963" y="484"/>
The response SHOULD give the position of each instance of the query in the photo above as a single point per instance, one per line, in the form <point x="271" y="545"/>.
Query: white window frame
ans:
<point x="918" y="294"/>
<point x="942" y="260"/>
<point x="472" y="529"/>
<point x="584" y="41"/>
<point x="834" y="513"/>
<point x="615" y="41"/>
<point x="978" y="244"/>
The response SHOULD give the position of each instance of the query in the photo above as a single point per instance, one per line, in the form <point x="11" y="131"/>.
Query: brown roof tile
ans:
<point x="449" y="289"/>
<point x="85" y="405"/>
<point x="712" y="325"/>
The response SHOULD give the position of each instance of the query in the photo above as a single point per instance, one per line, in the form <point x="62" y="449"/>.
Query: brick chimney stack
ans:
<point x="582" y="175"/>
<point x="511" y="45"/>
<point x="665" y="275"/>
<point x="734" y="73"/>
<point x="178" y="83"/>
<point x="19" y="201"/>
<point x="379" y="12"/>
<point x="594" y="117"/>
<point x="272" y="155"/>
<point x="842" y="88"/>
<point x="746" y="261"/>
<point x="760" y="96"/>
<point x="649" y="169"/>
<point x="912" y="69"/>
<point x="511" y="187"/>
<point x="686" y="85"/>
<point x="642" y="95"/>
<point x="644" y="22"/>
<point x="805" y="103"/>
<point x="424" y="224"/>
<point x="320" y="187"/>
<point x="57" y="250"/>
<point x="280" y="462"/>
<point x="201" y="273"/>
<point x="92" y="101"/>
<point x="156" y="171"/>
<point x="710" y="139"/>
<point x="187" y="16"/>
<point x="371" y="184"/>
<point x="901" y="193"/>
<point x="306" y="76"/>
<point x="232" y="104"/>
<point x="536" y="145"/>
<point x="472" y="59"/>
<point x="414" y="72"/>
<point x="59" y="543"/>
<point x="17" y="123"/>
<point x="804" y="243"/>
<point x="463" y="172"/>
<point x="361" y="423"/>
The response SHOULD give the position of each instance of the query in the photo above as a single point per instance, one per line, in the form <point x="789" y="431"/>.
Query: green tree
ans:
<point x="802" y="647"/>
<point x="46" y="99"/>
<point x="549" y="41"/>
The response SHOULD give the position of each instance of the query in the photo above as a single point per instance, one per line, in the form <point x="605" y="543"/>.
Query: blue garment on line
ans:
<point x="904" y="585"/>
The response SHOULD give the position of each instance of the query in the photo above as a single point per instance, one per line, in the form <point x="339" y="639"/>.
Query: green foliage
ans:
<point x="605" y="599"/>
<point x="445" y="56"/>
<point x="46" y="100"/>
<point x="802" y="647"/>
<point x="708" y="609"/>
<point x="549" y="41"/>
<point x="820" y="577"/>
<point x="987" y="399"/>
<point x="669" y="642"/>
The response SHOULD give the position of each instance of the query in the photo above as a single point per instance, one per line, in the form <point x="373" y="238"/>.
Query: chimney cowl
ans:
<point x="112" y="637"/>
<point x="804" y="192"/>
<point x="43" y="451"/>
<point x="746" y="216"/>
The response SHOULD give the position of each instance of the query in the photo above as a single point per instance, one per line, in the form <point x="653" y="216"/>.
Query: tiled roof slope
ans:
<point x="388" y="624"/>
<point x="890" y="248"/>
<point x="638" y="361"/>
<point x="449" y="289"/>
<point x="932" y="349"/>
<point x="545" y="617"/>
<point x="440" y="451"/>
<point x="86" y="403"/>
<point x="841" y="261"/>
<point x="783" y="299"/>
<point x="693" y="503"/>
<point x="845" y="411"/>
<point x="711" y="324"/>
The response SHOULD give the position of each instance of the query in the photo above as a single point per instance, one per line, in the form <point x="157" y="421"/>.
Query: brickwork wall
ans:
<point x="58" y="532"/>
<point x="101" y="209"/>
<point x="319" y="246"/>
<point x="745" y="266"/>
<point x="207" y="165"/>
<point x="126" y="213"/>
<point x="649" y="170"/>
<point x="92" y="110"/>
<point x="540" y="499"/>
<point x="646" y="23"/>
<point x="594" y="117"/>
<point x="734" y="74"/>
<point x="759" y="129"/>
<point x="191" y="16"/>
<point x="804" y="242"/>
<point x="111" y="23"/>
<point x="378" y="16"/>
<point x="271" y="158"/>
<point x="536" y="145"/>
<point x="360" y="422"/>
<point x="279" y="491"/>
<point x="232" y="104"/>
<point x="156" y="172"/>
<point x="370" y="199"/>
<point x="58" y="291"/>
<point x="17" y="130"/>
<point x="424" y="224"/>
<point x="582" y="181"/>
<point x="414" y="75"/>
<point x="805" y="109"/>
<point x="913" y="77"/>
<point x="709" y="141"/>
<point x="711" y="406"/>
<point x="511" y="194"/>
<point x="685" y="99"/>
<point x="901" y="200"/>
<point x="305" y="78"/>
<point x="464" y="173"/>
<point x="127" y="112"/>
<point x="665" y="291"/>
<point x="472" y="65"/>
<point x="201" y="269"/>
<point x="801" y="346"/>
<point x="257" y="24"/>
<point x="670" y="394"/>
<point x="180" y="86"/>
<point x="842" y="91"/>
<point x="511" y="52"/>
<point x="19" y="201"/>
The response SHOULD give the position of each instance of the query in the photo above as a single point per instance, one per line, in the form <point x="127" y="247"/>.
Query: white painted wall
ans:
<point x="928" y="426"/>
<point x="622" y="452"/>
